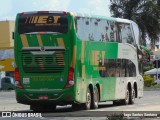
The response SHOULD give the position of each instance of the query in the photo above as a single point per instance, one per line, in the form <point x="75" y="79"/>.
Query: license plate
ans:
<point x="43" y="97"/>
<point x="26" y="80"/>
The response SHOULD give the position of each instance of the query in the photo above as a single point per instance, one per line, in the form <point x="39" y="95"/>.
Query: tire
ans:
<point x="87" y="105"/>
<point x="132" y="96"/>
<point x="126" y="100"/>
<point x="95" y="99"/>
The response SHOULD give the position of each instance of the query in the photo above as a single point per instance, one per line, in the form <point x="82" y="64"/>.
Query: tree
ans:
<point x="145" y="13"/>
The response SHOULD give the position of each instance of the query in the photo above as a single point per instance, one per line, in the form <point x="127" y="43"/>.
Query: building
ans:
<point x="6" y="32"/>
<point x="6" y="46"/>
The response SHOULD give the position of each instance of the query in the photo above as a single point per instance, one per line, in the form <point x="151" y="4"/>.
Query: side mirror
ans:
<point x="13" y="35"/>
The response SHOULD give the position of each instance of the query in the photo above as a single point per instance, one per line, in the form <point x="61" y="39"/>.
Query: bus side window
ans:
<point x="125" y="70"/>
<point x="131" y="69"/>
<point x="125" y="34"/>
<point x="118" y="34"/>
<point x="118" y="67"/>
<point x="103" y="72"/>
<point x="140" y="63"/>
<point x="113" y="31"/>
<point x="140" y="66"/>
<point x="112" y="68"/>
<point x="128" y="68"/>
<point x="136" y="33"/>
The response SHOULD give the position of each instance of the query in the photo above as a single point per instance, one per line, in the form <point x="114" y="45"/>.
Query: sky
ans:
<point x="9" y="8"/>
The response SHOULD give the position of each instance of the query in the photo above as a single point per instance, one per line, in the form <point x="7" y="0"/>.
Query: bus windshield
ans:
<point x="42" y="22"/>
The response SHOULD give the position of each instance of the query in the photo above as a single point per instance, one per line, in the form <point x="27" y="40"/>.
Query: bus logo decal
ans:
<point x="42" y="20"/>
<point x="42" y="49"/>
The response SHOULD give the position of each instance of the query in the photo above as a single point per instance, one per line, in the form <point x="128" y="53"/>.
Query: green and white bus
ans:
<point x="69" y="58"/>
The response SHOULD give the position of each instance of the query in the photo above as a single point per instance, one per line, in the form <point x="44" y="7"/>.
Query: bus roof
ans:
<point x="123" y="20"/>
<point x="83" y="15"/>
<point x="100" y="17"/>
<point x="94" y="16"/>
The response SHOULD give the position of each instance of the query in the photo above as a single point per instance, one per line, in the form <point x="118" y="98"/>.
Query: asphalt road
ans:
<point x="150" y="102"/>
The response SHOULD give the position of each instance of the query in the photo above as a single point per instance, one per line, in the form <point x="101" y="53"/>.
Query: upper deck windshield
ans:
<point x="43" y="22"/>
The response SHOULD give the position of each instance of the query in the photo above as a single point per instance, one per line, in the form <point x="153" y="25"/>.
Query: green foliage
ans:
<point x="145" y="13"/>
<point x="148" y="80"/>
<point x="152" y="87"/>
<point x="146" y="68"/>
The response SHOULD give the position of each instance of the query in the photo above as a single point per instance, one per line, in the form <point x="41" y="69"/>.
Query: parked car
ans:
<point x="7" y="83"/>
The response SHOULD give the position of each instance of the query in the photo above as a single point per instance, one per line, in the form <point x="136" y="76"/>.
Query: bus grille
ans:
<point x="43" y="63"/>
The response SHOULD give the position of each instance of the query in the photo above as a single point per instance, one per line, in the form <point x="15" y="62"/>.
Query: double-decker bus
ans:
<point x="69" y="58"/>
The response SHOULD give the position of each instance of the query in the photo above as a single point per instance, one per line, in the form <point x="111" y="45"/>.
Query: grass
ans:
<point x="152" y="87"/>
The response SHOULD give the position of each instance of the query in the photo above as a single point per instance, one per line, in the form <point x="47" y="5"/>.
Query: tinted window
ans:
<point x="96" y="29"/>
<point x="131" y="69"/>
<point x="118" y="68"/>
<point x="124" y="72"/>
<point x="125" y="34"/>
<point x="51" y="22"/>
<point x="104" y="30"/>
<point x="111" y="68"/>
<point x="136" y="33"/>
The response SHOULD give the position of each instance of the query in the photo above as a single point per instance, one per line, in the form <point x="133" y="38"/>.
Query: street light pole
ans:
<point x="157" y="68"/>
<point x="156" y="57"/>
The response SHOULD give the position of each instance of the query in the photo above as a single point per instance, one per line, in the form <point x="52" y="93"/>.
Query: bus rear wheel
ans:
<point x="126" y="100"/>
<point x="95" y="99"/>
<point x="132" y="96"/>
<point x="87" y="105"/>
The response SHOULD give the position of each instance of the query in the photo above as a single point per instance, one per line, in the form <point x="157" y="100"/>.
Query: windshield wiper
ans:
<point x="43" y="32"/>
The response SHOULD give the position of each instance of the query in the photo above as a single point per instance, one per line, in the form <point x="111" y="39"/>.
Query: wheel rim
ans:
<point x="88" y="103"/>
<point x="133" y="95"/>
<point x="127" y="97"/>
<point x="96" y="98"/>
